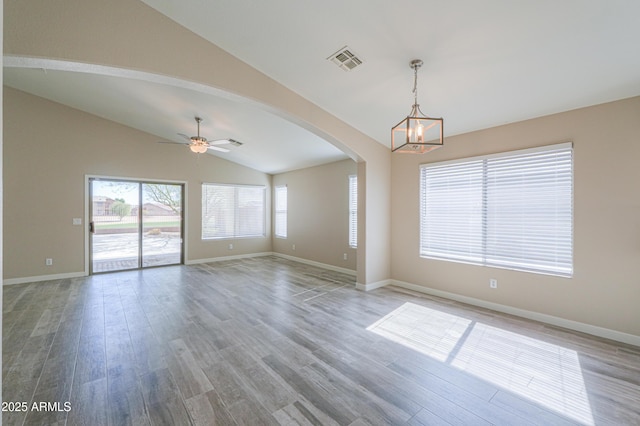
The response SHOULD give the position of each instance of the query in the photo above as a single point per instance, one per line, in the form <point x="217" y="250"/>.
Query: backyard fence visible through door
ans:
<point x="134" y="224"/>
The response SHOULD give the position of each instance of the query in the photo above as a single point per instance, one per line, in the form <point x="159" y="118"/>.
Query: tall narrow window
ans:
<point x="232" y="211"/>
<point x="281" y="211"/>
<point x="512" y="210"/>
<point x="353" y="211"/>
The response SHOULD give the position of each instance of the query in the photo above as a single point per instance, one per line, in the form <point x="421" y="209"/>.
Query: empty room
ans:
<point x="320" y="213"/>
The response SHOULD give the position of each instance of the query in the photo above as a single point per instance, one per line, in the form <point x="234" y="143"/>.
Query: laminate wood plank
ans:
<point x="162" y="399"/>
<point x="114" y="313"/>
<point x="247" y="412"/>
<point x="15" y="390"/>
<point x="12" y="344"/>
<point x="264" y="386"/>
<point x="410" y="396"/>
<point x="91" y="363"/>
<point x="627" y="374"/>
<point x="93" y="322"/>
<point x="300" y="414"/>
<point x="208" y="409"/>
<point x="215" y="333"/>
<point x="297" y="356"/>
<point x="158" y="387"/>
<point x="14" y="294"/>
<point x="372" y="409"/>
<point x="380" y="383"/>
<point x="203" y="347"/>
<point x="322" y="399"/>
<point x="54" y="411"/>
<point x="126" y="402"/>
<point x="433" y="375"/>
<point x="136" y="318"/>
<point x="610" y="400"/>
<point x="166" y="328"/>
<point x="48" y="323"/>
<point x="30" y="361"/>
<point x="89" y="404"/>
<point x="57" y="377"/>
<point x="236" y="396"/>
<point x="73" y="310"/>
<point x="67" y="338"/>
<point x="543" y="416"/>
<point x="149" y="354"/>
<point x="427" y="418"/>
<point x="118" y="347"/>
<point x="187" y="374"/>
<point x="244" y="334"/>
<point x="272" y="341"/>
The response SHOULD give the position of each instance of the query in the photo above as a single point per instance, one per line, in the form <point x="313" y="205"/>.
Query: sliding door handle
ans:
<point x="92" y="228"/>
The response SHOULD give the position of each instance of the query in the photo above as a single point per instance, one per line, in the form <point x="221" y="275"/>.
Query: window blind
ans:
<point x="231" y="211"/>
<point x="511" y="210"/>
<point x="353" y="211"/>
<point x="281" y="211"/>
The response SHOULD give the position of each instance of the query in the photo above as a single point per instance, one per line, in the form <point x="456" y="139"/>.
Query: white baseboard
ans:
<point x="223" y="258"/>
<point x="536" y="316"/>
<point x="373" y="286"/>
<point x="39" y="278"/>
<point x="314" y="263"/>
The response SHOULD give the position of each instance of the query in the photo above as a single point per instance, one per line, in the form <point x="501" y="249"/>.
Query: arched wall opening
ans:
<point x="137" y="41"/>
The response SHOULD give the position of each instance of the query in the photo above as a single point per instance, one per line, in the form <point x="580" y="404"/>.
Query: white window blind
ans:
<point x="281" y="211"/>
<point x="511" y="210"/>
<point x="353" y="211"/>
<point x="231" y="211"/>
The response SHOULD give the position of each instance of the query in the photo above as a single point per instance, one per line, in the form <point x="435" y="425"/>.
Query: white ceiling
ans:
<point x="487" y="63"/>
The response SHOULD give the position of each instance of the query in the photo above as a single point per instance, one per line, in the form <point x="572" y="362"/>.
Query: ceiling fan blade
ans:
<point x="182" y="135"/>
<point x="215" y="148"/>
<point x="174" y="143"/>
<point x="219" y="142"/>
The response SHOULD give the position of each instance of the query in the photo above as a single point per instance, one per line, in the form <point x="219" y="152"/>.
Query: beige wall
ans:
<point x="48" y="151"/>
<point x="605" y="288"/>
<point x="318" y="214"/>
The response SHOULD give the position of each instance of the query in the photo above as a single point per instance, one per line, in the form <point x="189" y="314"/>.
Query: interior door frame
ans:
<point x="87" y="211"/>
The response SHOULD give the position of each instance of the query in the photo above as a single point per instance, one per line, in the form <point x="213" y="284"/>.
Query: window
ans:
<point x="231" y="211"/>
<point x="281" y="211"/>
<point x="353" y="211"/>
<point x="512" y="210"/>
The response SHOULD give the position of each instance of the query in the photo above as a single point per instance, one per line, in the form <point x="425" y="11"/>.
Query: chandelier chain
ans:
<point x="415" y="85"/>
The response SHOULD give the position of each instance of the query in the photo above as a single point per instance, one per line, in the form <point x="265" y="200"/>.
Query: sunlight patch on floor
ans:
<point x="544" y="373"/>
<point x="406" y="325"/>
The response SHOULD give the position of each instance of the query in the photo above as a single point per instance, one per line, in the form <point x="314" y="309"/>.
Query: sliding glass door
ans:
<point x="161" y="216"/>
<point x="135" y="224"/>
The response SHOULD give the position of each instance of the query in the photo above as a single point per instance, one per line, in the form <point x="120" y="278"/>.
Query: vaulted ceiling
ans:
<point x="485" y="64"/>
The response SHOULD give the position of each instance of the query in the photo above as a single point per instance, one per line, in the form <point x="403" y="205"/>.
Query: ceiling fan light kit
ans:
<point x="417" y="133"/>
<point x="200" y="145"/>
<point x="198" y="148"/>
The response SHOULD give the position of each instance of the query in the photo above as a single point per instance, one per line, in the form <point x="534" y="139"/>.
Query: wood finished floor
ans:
<point x="271" y="341"/>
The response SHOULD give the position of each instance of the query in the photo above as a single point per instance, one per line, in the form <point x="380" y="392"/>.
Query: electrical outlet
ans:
<point x="293" y="247"/>
<point x="48" y="261"/>
<point x="344" y="256"/>
<point x="493" y="283"/>
<point x="230" y="246"/>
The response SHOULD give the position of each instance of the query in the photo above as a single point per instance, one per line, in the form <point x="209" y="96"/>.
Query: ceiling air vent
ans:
<point x="345" y="58"/>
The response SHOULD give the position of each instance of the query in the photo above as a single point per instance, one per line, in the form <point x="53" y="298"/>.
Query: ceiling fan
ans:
<point x="199" y="144"/>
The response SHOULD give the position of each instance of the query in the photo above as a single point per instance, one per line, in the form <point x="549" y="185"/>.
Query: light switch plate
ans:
<point x="77" y="221"/>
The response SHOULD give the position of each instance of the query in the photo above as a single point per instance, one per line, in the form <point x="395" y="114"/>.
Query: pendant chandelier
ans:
<point x="417" y="133"/>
